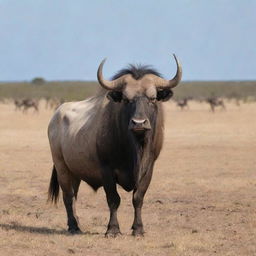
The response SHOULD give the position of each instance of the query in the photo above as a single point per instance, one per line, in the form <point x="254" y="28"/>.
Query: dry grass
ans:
<point x="69" y="91"/>
<point x="77" y="90"/>
<point x="201" y="200"/>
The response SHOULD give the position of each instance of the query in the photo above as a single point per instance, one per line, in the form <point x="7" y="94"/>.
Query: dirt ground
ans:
<point x="201" y="200"/>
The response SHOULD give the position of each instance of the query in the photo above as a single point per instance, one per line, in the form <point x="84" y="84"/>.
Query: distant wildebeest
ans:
<point x="182" y="103"/>
<point x="26" y="104"/>
<point x="30" y="103"/>
<point x="109" y="139"/>
<point x="215" y="102"/>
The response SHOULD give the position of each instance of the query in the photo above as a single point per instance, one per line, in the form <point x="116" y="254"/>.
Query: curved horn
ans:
<point x="162" y="83"/>
<point x="109" y="85"/>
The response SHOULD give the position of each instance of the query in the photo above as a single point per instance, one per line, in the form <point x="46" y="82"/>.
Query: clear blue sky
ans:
<point x="67" y="39"/>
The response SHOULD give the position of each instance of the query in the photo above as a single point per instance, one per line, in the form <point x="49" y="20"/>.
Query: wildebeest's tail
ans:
<point x="54" y="188"/>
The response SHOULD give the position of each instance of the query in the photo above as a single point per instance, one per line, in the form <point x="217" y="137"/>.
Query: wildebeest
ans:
<point x="215" y="102"/>
<point x="30" y="103"/>
<point x="109" y="139"/>
<point x="26" y="104"/>
<point x="182" y="103"/>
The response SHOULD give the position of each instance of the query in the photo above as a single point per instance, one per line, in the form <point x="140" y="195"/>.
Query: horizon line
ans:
<point x="95" y="81"/>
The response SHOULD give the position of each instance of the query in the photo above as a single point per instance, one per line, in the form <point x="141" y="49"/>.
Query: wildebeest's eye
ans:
<point x="115" y="96"/>
<point x="164" y="94"/>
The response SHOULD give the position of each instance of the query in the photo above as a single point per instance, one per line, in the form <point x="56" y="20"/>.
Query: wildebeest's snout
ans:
<point x="139" y="124"/>
<point x="139" y="121"/>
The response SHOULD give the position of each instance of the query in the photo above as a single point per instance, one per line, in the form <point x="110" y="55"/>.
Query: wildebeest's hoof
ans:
<point x="113" y="232"/>
<point x="75" y="231"/>
<point x="139" y="232"/>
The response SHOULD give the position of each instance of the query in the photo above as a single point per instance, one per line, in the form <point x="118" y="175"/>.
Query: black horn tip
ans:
<point x="102" y="62"/>
<point x="175" y="57"/>
<point x="100" y="68"/>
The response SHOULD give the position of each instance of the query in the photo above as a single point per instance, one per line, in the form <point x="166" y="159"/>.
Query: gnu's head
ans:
<point x="139" y="89"/>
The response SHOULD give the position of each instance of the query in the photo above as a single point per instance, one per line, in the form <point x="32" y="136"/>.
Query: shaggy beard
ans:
<point x="142" y="154"/>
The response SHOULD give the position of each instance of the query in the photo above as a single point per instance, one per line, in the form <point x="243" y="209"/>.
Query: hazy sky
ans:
<point x="67" y="39"/>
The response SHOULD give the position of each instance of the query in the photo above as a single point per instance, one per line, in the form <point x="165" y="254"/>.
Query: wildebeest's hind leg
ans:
<point x="36" y="110"/>
<point x="137" y="200"/>
<point x="212" y="107"/>
<point x="223" y="106"/>
<point x="113" y="200"/>
<point x="69" y="185"/>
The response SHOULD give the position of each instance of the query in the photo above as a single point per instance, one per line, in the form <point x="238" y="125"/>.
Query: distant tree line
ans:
<point x="38" y="81"/>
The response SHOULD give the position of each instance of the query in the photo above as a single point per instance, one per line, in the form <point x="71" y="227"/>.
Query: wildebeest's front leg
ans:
<point x="113" y="200"/>
<point x="137" y="200"/>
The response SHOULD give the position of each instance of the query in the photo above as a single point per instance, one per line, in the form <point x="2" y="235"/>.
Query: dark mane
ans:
<point x="137" y="71"/>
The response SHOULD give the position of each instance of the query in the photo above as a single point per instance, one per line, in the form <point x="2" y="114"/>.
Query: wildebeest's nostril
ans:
<point x="138" y="121"/>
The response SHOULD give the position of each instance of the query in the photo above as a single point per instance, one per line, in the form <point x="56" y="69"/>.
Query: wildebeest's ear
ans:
<point x="115" y="96"/>
<point x="164" y="94"/>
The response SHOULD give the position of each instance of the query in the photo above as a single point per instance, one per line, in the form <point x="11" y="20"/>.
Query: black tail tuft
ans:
<point x="54" y="188"/>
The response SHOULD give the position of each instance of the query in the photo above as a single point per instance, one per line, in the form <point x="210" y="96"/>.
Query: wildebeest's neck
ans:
<point x="119" y="146"/>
